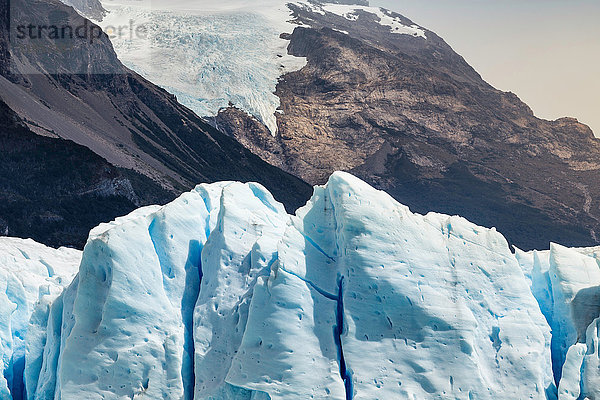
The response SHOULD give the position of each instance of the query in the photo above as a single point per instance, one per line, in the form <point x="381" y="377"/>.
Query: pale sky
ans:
<point x="545" y="51"/>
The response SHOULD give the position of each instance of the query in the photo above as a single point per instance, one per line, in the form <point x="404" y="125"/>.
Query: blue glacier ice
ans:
<point x="223" y="295"/>
<point x="31" y="277"/>
<point x="390" y="304"/>
<point x="566" y="283"/>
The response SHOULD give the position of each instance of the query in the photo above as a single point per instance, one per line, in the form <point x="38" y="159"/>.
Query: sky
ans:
<point x="545" y="51"/>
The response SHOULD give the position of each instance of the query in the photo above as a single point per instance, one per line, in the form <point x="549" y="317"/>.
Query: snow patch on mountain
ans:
<point x="31" y="277"/>
<point x="350" y="12"/>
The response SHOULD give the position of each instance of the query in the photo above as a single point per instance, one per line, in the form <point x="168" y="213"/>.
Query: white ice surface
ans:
<point x="570" y="384"/>
<point x="240" y="251"/>
<point x="566" y="283"/>
<point x="590" y="369"/>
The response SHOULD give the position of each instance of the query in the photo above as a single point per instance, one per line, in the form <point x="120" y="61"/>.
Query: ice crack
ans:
<point x="338" y="329"/>
<point x="316" y="246"/>
<point x="321" y="291"/>
<point x="345" y="372"/>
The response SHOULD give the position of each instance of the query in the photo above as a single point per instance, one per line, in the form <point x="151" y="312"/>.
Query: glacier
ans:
<point x="208" y="53"/>
<point x="566" y="283"/>
<point x="212" y="54"/>
<point x="223" y="295"/>
<point x="31" y="277"/>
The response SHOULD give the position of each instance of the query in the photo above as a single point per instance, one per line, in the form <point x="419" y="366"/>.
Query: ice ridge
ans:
<point x="223" y="295"/>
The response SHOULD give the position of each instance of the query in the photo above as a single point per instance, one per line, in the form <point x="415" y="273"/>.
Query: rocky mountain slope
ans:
<point x="221" y="294"/>
<point x="373" y="93"/>
<point x="76" y="90"/>
<point x="410" y="116"/>
<point x="55" y="191"/>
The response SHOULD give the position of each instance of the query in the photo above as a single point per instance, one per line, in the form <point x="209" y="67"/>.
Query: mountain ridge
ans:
<point x="410" y="116"/>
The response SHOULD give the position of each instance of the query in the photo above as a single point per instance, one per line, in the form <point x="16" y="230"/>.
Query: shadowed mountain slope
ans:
<point x="76" y="91"/>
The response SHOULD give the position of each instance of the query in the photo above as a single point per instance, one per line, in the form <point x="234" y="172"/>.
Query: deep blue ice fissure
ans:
<point x="207" y="205"/>
<point x="319" y="248"/>
<point x="338" y="330"/>
<point x="321" y="291"/>
<point x="14" y="371"/>
<point x="14" y="376"/>
<point x="190" y="297"/>
<point x="546" y="307"/>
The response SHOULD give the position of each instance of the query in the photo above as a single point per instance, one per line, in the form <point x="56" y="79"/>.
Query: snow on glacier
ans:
<point x="222" y="295"/>
<point x="31" y="276"/>
<point x="208" y="53"/>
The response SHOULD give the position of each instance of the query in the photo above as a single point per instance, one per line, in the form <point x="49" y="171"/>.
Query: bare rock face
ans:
<point x="410" y="116"/>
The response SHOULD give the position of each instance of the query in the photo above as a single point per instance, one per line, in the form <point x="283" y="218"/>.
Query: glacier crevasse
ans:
<point x="222" y="295"/>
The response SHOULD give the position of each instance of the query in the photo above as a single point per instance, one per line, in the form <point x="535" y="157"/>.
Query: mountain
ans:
<point x="339" y="86"/>
<point x="88" y="8"/>
<point x="221" y="294"/>
<point x="107" y="140"/>
<point x="54" y="190"/>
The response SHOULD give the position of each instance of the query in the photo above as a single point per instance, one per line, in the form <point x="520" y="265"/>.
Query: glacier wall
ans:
<point x="389" y="304"/>
<point x="566" y="283"/>
<point x="31" y="277"/>
<point x="222" y="295"/>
